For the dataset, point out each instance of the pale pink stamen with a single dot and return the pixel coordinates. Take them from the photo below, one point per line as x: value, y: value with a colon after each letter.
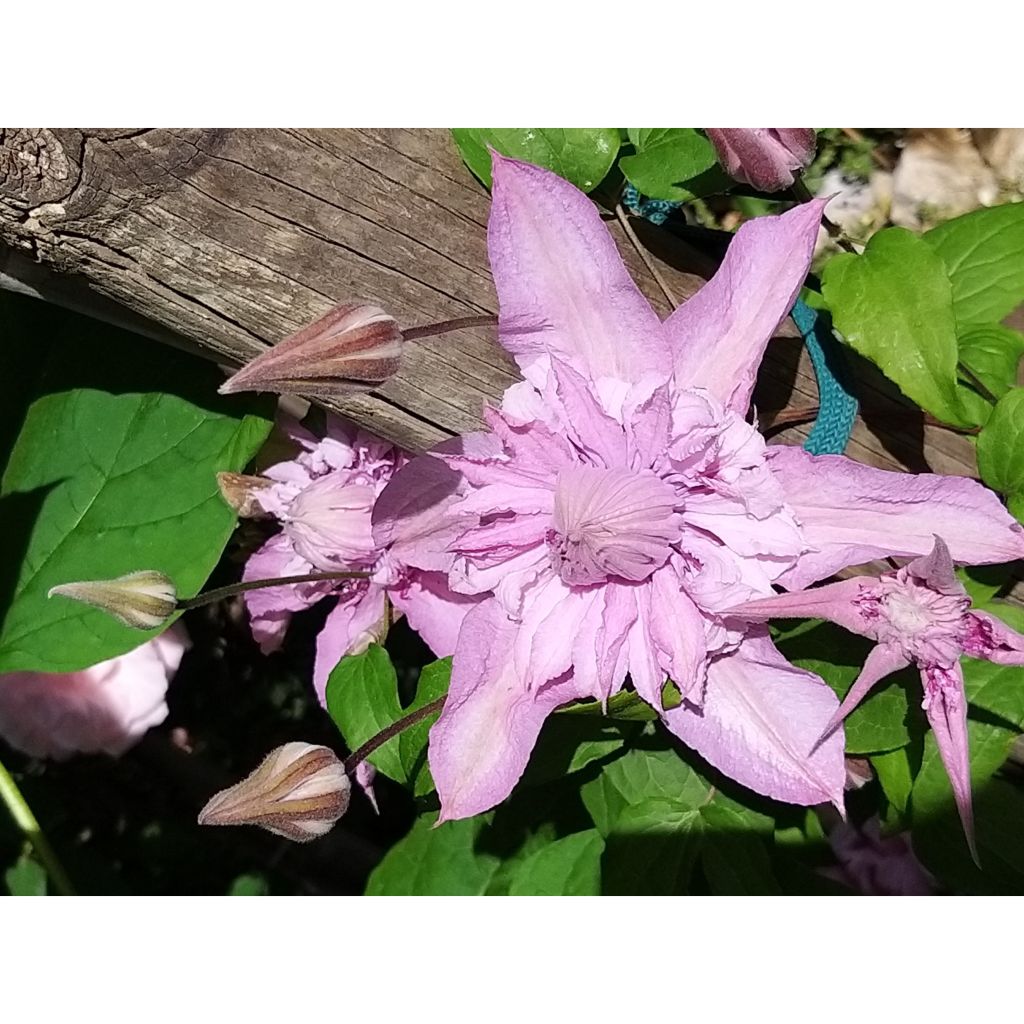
x: 611, y: 522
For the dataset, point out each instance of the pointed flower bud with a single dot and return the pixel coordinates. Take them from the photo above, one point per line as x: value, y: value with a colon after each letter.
x: 352, y: 348
x: 299, y: 792
x: 241, y: 492
x: 142, y: 600
x: 763, y: 157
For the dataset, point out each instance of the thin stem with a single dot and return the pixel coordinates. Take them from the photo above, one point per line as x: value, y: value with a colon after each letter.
x: 978, y: 384
x: 240, y: 588
x: 362, y: 753
x: 620, y: 214
x: 26, y: 821
x: 835, y: 232
x: 446, y: 326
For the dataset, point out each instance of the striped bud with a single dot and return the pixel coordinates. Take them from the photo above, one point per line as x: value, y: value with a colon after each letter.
x: 354, y: 347
x: 241, y: 493
x: 142, y: 600
x: 299, y: 792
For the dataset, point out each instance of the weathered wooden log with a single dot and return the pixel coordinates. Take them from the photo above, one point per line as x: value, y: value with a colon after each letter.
x: 228, y: 240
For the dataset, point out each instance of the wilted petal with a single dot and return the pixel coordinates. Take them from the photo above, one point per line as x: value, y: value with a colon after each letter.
x: 241, y: 492
x: 357, y: 621
x: 989, y: 637
x: 366, y: 774
x: 760, y: 719
x: 719, y: 336
x: 882, y: 660
x: 352, y: 348
x: 851, y: 513
x: 562, y: 287
x: 837, y: 602
x: 945, y: 704
x: 480, y: 745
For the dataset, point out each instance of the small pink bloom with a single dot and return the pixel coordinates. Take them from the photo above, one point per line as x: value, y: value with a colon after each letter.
x: 619, y: 502
x: 763, y: 157
x: 106, y: 708
x: 920, y: 615
x: 323, y: 499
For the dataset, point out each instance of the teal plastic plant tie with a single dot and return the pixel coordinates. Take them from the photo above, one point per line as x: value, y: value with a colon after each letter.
x: 837, y: 406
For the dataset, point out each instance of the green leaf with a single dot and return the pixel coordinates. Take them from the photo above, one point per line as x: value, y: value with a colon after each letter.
x: 880, y: 721
x: 569, y: 743
x: 412, y: 743
x: 249, y: 885
x: 580, y: 155
x: 678, y: 164
x: 113, y: 470
x: 440, y: 861
x: 1001, y: 445
x: 997, y: 689
x: 983, y: 582
x: 894, y: 305
x: 992, y: 353
x: 895, y: 776
x: 983, y: 253
x: 567, y: 867
x: 734, y: 856
x: 362, y: 699
x: 25, y: 878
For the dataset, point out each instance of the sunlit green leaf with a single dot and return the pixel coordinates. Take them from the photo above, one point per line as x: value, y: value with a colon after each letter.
x: 677, y: 164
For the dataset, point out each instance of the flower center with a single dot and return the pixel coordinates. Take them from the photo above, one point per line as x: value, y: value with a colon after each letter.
x: 329, y: 523
x: 611, y: 522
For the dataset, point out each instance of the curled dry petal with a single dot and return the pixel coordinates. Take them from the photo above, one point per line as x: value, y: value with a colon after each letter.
x: 299, y: 791
x: 354, y: 347
x: 142, y: 600
x: 240, y: 491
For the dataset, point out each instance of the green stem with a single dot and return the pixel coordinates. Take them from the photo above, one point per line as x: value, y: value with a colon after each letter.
x: 26, y: 821
x: 240, y: 588
x: 978, y: 384
x: 803, y: 194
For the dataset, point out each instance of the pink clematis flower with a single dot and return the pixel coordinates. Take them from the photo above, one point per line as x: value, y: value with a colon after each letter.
x: 767, y: 158
x: 619, y: 502
x: 323, y: 499
x: 920, y: 615
x: 105, y: 708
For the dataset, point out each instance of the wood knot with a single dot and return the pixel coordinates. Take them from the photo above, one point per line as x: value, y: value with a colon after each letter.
x: 33, y: 161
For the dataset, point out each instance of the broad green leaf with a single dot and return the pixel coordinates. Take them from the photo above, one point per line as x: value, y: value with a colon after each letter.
x: 652, y: 850
x: 362, y: 698
x: 567, y: 867
x: 983, y: 253
x: 894, y: 305
x: 880, y: 721
x: 895, y: 776
x: 569, y: 743
x: 992, y: 353
x: 999, y: 825
x: 1001, y: 445
x: 734, y: 855
x: 580, y: 155
x: 412, y: 743
x: 627, y: 705
x: 997, y: 689
x: 441, y: 861
x: 25, y: 878
x: 113, y: 470
x: 678, y: 164
x: 249, y: 885
x: 983, y: 582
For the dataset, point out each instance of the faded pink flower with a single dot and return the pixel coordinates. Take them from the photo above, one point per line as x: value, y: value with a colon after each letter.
x: 619, y: 502
x: 767, y: 158
x: 877, y: 865
x: 920, y: 614
x: 323, y: 499
x: 106, y: 708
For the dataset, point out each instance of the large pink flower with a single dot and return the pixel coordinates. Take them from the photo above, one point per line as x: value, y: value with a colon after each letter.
x: 106, y: 708
x: 620, y: 501
x: 323, y: 499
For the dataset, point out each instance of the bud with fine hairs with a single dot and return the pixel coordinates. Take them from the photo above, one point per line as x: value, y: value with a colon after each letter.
x: 299, y: 791
x: 354, y: 347
x: 767, y: 158
x: 142, y: 600
x: 241, y: 492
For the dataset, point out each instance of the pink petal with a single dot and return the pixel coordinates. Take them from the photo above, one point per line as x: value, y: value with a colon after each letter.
x: 836, y: 602
x: 480, y: 745
x: 990, y: 638
x: 881, y: 661
x: 945, y: 704
x: 562, y: 286
x: 719, y: 335
x: 852, y: 514
x: 936, y: 570
x: 433, y: 609
x: 593, y: 432
x: 599, y: 648
x: 677, y: 630
x: 759, y: 722
x: 356, y: 622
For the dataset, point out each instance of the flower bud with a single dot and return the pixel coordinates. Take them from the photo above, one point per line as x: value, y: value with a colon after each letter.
x: 299, y: 791
x: 142, y: 600
x: 763, y: 157
x: 352, y: 348
x: 241, y: 492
